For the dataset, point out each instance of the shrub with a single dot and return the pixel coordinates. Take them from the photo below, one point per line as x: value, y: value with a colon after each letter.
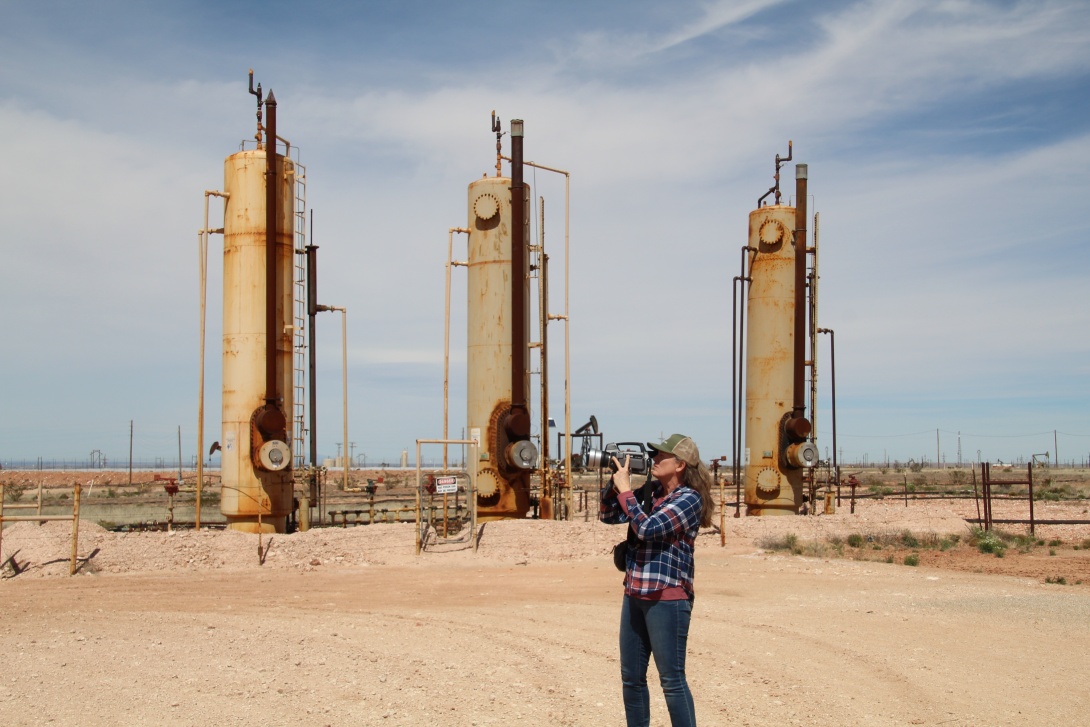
x: 988, y: 541
x: 1055, y: 542
x: 913, y: 559
x: 789, y: 542
x: 1058, y: 580
x: 13, y: 492
x: 909, y: 540
x: 855, y: 540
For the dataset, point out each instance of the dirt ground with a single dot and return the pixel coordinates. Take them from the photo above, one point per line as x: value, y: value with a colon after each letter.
x: 350, y: 627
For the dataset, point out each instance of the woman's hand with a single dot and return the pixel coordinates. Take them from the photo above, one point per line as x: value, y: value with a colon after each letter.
x: 621, y: 478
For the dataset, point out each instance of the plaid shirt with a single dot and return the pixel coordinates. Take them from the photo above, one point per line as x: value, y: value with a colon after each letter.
x: 664, y: 555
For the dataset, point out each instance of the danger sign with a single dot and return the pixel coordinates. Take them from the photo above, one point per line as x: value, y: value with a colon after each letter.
x: 446, y: 485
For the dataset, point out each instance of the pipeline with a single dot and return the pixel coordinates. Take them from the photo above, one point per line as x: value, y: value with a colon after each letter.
x: 738, y: 324
x: 272, y: 395
x: 518, y: 272
x: 799, y: 404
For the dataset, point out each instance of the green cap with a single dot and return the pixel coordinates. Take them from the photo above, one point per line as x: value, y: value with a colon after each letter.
x: 682, y: 447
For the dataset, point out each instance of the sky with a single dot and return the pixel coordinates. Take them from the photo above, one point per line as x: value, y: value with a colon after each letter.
x: 948, y: 143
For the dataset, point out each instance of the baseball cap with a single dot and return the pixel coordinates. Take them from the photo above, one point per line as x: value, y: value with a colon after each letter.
x: 682, y: 447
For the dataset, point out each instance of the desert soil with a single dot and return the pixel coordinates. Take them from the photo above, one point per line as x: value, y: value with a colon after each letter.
x: 350, y: 627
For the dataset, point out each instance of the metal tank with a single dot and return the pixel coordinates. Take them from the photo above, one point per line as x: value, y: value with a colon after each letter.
x: 777, y: 450
x: 256, y: 460
x: 497, y: 339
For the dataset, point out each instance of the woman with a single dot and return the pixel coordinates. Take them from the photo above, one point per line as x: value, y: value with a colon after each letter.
x: 658, y: 583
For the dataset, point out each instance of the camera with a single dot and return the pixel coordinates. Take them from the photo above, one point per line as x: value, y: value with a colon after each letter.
x: 639, y: 462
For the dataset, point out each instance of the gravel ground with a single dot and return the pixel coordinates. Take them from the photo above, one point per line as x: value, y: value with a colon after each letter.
x: 350, y: 627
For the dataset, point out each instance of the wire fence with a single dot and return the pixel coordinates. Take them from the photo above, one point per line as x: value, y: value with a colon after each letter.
x: 100, y: 463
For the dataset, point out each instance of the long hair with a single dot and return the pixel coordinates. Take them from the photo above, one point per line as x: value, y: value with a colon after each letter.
x: 700, y: 479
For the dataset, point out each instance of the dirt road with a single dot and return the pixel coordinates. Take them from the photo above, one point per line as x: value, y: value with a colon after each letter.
x: 349, y: 627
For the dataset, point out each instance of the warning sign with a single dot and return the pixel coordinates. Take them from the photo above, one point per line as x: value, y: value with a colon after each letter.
x: 446, y: 485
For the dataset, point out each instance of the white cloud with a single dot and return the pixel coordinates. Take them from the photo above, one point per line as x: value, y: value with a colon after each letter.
x: 929, y: 264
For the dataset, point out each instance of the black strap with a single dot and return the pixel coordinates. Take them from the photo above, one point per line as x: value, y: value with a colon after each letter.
x: 647, y: 504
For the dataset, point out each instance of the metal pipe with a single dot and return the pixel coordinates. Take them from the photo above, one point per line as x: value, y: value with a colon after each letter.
x: 344, y: 382
x: 811, y: 333
x: 1029, y: 480
x: 446, y: 336
x: 832, y: 380
x: 272, y: 395
x: 566, y: 317
x: 543, y: 325
x: 518, y: 271
x: 203, y: 263
x: 315, y: 492
x: 75, y: 528
x: 738, y: 381
x: 567, y: 341
x: 799, y: 403
x: 202, y: 253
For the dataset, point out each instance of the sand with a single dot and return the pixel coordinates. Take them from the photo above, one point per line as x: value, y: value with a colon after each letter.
x: 349, y: 626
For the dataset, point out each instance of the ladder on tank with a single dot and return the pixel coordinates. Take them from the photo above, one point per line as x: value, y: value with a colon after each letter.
x: 299, y: 324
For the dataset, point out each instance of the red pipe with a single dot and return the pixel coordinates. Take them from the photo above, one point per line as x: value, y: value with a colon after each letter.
x: 799, y: 405
x: 272, y: 396
x: 519, y: 339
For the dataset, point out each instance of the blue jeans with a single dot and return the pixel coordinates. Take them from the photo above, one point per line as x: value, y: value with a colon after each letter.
x: 660, y: 628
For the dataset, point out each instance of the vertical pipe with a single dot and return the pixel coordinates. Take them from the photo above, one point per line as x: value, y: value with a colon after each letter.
x: 832, y: 380
x: 312, y: 314
x: 271, y: 177
x: 567, y: 339
x: 812, y: 335
x: 976, y: 495
x: 1029, y: 480
x: 419, y: 538
x: 75, y: 528
x: 518, y: 270
x: 543, y: 318
x: 446, y: 348
x: 986, y: 488
x: 799, y: 405
x: 130, y: 454
x: 202, y: 252
x: 739, y: 373
x: 344, y: 386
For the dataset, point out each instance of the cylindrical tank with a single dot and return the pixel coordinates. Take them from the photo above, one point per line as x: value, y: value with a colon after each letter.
x: 503, y: 491
x: 252, y: 495
x: 772, y: 487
